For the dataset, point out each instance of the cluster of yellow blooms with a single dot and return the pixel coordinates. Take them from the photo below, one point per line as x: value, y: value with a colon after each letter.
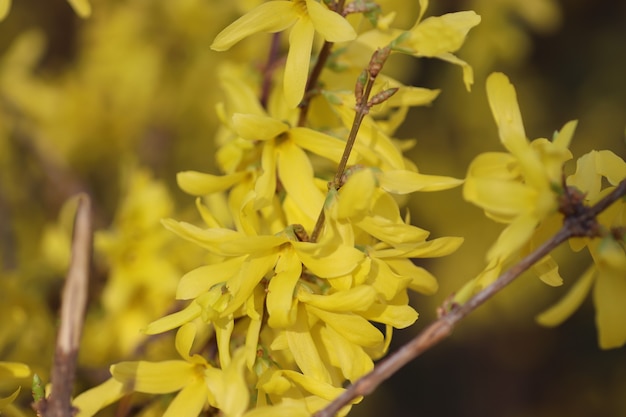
x: 305, y: 279
x: 292, y: 317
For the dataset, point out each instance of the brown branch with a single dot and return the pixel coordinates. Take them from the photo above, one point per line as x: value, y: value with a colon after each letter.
x: 268, y: 69
x: 363, y: 89
x: 583, y: 223
x: 73, y: 305
x: 311, y: 83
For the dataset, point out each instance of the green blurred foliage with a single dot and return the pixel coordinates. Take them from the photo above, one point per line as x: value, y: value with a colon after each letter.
x: 127, y: 98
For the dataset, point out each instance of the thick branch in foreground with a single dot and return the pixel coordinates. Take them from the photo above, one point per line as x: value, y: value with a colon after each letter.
x: 582, y: 224
x: 73, y: 304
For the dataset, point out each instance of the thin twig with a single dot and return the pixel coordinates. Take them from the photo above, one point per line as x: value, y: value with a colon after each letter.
x: 363, y: 106
x: 268, y: 70
x: 73, y: 306
x: 582, y: 224
x: 311, y: 83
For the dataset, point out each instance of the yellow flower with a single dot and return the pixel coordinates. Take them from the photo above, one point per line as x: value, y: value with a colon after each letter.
x: 434, y: 37
x: 198, y: 383
x: 516, y: 187
x: 133, y: 251
x: 519, y: 188
x: 305, y: 17
x: 10, y: 371
x: 607, y: 275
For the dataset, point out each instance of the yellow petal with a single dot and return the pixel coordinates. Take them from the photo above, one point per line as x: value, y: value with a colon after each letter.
x: 154, y: 377
x: 296, y: 175
x: 223, y: 242
x: 234, y: 396
x: 172, y: 321
x: 431, y: 249
x: 328, y: 262
x: 387, y: 282
x: 5, y: 6
x: 190, y: 401
x: 442, y: 34
x: 184, y: 339
x: 280, y: 297
x: 265, y: 186
x: 224, y: 327
x: 611, y: 166
x: 240, y: 96
x: 564, y: 137
x: 288, y: 407
x: 4, y: 401
x: 201, y: 279
x: 565, y: 307
x: 609, y: 293
x: 353, y: 327
x: 303, y: 349
x: 355, y: 196
x: 250, y: 274
x: 392, y: 233
x: 355, y: 299
x: 412, y: 96
x: 93, y: 400
x: 252, y: 341
x: 423, y: 6
x: 513, y: 237
x: 468, y: 72
x: 505, y: 110
x: 318, y: 143
x: 548, y: 271
x: 404, y: 182
x: 422, y: 281
x: 14, y: 370
x: 500, y: 198
x: 350, y: 358
x: 398, y: 316
x: 272, y: 16
x: 199, y: 183
x: 332, y: 26
x: 81, y: 7
x: 314, y: 386
x: 256, y: 127
x: 298, y: 58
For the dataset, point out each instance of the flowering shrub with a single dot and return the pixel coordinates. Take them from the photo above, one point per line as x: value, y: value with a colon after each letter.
x: 302, y: 264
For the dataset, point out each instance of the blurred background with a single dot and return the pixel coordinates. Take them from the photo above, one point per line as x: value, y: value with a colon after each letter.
x: 116, y: 104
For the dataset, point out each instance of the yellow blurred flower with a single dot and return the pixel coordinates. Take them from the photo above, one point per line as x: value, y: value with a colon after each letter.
x: 519, y: 187
x: 434, y: 37
x: 81, y: 7
x: 12, y: 371
x: 141, y: 280
x: 198, y: 383
x: 305, y: 17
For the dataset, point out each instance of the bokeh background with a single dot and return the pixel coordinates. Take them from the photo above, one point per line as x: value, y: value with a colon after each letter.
x: 118, y: 103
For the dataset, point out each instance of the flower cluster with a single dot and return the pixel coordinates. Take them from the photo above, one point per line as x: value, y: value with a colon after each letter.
x: 518, y: 187
x: 306, y: 279
x: 525, y: 188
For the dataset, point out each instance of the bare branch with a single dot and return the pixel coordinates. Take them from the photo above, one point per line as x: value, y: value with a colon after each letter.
x: 73, y: 305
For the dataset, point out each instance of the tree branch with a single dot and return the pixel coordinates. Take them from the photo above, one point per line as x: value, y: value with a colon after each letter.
x: 73, y: 305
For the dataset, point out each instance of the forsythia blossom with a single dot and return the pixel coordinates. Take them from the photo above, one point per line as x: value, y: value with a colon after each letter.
x: 293, y: 307
x: 305, y: 17
x: 519, y: 187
